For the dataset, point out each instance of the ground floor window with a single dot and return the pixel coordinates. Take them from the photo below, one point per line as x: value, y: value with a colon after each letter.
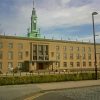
x: 90, y: 64
x: 10, y: 66
x: 78, y: 64
x: 65, y: 64
x: 0, y: 65
x: 71, y: 64
x: 84, y: 64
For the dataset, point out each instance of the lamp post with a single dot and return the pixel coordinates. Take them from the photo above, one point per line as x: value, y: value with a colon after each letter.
x: 95, y: 62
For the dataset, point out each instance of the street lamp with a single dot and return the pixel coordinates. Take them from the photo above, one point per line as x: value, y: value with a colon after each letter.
x: 95, y: 62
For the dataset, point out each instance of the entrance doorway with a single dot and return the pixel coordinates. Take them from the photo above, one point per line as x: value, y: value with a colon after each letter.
x: 40, y: 66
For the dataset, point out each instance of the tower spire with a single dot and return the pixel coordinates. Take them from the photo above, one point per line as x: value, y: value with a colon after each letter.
x: 33, y: 3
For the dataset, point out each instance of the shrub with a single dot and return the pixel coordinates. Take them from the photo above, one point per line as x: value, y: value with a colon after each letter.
x: 45, y: 78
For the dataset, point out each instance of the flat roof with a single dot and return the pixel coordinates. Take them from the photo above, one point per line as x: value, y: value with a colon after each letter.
x: 43, y: 39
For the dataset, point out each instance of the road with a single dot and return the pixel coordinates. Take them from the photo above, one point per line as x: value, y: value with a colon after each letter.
x: 86, y: 93
x: 21, y: 92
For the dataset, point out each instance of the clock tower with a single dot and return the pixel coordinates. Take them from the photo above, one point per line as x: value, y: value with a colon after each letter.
x: 34, y: 32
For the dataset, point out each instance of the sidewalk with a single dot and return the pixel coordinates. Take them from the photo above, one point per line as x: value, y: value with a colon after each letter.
x: 19, y: 92
x: 70, y: 84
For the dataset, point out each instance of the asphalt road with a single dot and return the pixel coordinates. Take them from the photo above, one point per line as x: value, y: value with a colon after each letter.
x: 17, y: 92
x: 86, y: 93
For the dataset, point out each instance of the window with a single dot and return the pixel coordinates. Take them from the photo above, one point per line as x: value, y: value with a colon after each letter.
x: 90, y: 64
x: 34, y: 47
x: 83, y: 49
x: 52, y: 54
x: 26, y: 53
x: 65, y: 64
x: 45, y: 49
x: 71, y: 64
x: 77, y: 56
x: 1, y: 45
x: 99, y: 56
x: 65, y: 56
x: 20, y: 46
x: 84, y: 64
x: 71, y: 48
x: 10, y: 45
x: 20, y: 55
x: 89, y: 56
x: 65, y: 48
x: 78, y: 64
x: 78, y: 48
x: 71, y: 56
x: 1, y: 54
x: 20, y: 64
x: 10, y: 55
x: 40, y: 48
x: 57, y: 48
x: 0, y: 65
x: 83, y: 56
x: 10, y: 66
x: 58, y: 56
x: 89, y: 49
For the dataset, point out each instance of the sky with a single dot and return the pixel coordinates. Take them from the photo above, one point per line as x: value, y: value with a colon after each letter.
x: 57, y: 19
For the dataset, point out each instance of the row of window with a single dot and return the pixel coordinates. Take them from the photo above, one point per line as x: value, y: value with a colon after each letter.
x: 11, y: 54
x: 78, y: 64
x: 71, y: 56
x: 10, y: 45
x: 10, y: 65
x: 71, y: 48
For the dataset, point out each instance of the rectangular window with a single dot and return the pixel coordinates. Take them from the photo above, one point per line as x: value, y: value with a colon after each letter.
x: 20, y: 46
x: 57, y: 48
x: 10, y: 55
x: 65, y: 48
x: 77, y: 56
x: 78, y: 48
x: 20, y: 64
x: 40, y: 50
x: 65, y: 64
x: 0, y: 65
x: 10, y: 66
x: 34, y: 47
x: 26, y: 53
x: 58, y: 56
x: 71, y: 48
x: 71, y: 64
x: 90, y: 64
x: 10, y: 45
x: 65, y: 56
x: 1, y: 45
x: 89, y: 56
x: 99, y: 56
x: 1, y: 54
x: 78, y: 64
x: 71, y: 56
x: 83, y: 49
x: 20, y: 55
x: 84, y: 64
x: 52, y: 54
x: 89, y: 49
x: 83, y: 56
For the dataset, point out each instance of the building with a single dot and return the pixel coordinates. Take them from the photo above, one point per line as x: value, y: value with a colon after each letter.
x: 33, y: 53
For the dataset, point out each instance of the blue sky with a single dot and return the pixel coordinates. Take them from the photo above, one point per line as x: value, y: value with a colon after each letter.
x: 66, y: 19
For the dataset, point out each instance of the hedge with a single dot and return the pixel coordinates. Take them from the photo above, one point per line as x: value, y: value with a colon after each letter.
x: 13, y: 80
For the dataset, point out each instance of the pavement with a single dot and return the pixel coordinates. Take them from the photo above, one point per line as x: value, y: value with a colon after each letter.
x: 27, y: 92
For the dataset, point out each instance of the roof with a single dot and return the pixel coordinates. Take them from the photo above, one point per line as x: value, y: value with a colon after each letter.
x: 47, y: 40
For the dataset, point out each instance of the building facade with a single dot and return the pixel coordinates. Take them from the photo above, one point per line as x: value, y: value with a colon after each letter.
x: 33, y: 53
x: 44, y: 54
